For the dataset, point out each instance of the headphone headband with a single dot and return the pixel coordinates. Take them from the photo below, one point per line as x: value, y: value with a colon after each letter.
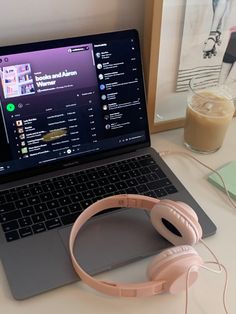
x: 129, y: 290
x: 122, y: 200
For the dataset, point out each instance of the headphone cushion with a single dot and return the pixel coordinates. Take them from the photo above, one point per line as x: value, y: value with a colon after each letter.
x: 189, y: 214
x: 176, y: 222
x: 187, y: 210
x: 172, y: 266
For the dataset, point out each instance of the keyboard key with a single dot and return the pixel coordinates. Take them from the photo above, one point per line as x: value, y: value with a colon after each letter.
x: 144, y: 179
x: 114, y: 170
x: 93, y: 175
x: 132, y: 182
x: 40, y: 208
x: 46, y: 197
x: 69, y: 190
x: 38, y: 218
x: 80, y: 187
x: 134, y: 165
x: 75, y: 208
x: 28, y: 211
x: 11, y: 236
x: 114, y: 178
x: 152, y: 177
x: 146, y: 170
x: 150, y: 193
x: 69, y: 219
x: 2, y: 200
x: 131, y: 190
x: 50, y: 214
x: 24, y: 194
x: 142, y: 188
x: 38, y: 228
x: 59, y: 185
x: 36, y: 190
x: 103, y: 173
x: 25, y: 232
x: 24, y: 222
x: 21, y: 204
x: 48, y: 187
x: 124, y: 176
x: 124, y: 167
x: 53, y: 223
x: 81, y: 177
x: 135, y: 173
x: 160, y: 192
x: 108, y: 194
x: 158, y: 171
x: 171, y: 189
x: 86, y: 203
x: 34, y: 200
x: 57, y: 194
x: 121, y: 185
x: 53, y: 204
x: 7, y: 207
x: 146, y: 161
x: 99, y: 191
x: 70, y: 181
x: 88, y: 194
x: 110, y: 188
x: 76, y: 198
x: 9, y: 226
x: 103, y: 181
x: 92, y: 185
x: 57, y: 179
x: 11, y: 197
x: 64, y: 201
x: 63, y: 211
x: 158, y: 184
x: 13, y: 215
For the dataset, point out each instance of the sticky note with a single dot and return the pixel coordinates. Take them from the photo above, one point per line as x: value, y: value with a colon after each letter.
x: 228, y: 173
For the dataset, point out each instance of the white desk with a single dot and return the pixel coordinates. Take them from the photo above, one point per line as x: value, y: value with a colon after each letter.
x: 205, y: 295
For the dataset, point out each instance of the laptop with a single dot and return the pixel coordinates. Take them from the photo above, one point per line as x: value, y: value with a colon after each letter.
x: 74, y: 129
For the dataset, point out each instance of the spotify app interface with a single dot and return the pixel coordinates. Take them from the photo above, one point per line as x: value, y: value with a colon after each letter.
x: 63, y: 102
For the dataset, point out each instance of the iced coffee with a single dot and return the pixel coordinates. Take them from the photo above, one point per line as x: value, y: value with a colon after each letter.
x: 208, y: 116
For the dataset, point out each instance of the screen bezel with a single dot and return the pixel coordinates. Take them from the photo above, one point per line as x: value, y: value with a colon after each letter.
x: 68, y: 162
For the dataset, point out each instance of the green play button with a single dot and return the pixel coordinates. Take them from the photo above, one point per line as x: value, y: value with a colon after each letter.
x: 11, y: 107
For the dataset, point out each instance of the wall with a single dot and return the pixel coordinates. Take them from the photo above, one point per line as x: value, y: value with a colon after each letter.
x: 29, y: 20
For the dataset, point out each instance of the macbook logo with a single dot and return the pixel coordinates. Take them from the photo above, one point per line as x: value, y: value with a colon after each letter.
x: 70, y: 164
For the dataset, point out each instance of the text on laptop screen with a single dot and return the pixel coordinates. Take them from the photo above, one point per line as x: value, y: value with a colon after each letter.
x: 62, y: 100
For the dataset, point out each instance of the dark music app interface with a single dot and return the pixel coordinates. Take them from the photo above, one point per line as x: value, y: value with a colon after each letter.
x: 70, y: 101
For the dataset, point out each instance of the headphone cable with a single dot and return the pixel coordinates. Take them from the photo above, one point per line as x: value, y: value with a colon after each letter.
x: 222, y: 267
x: 216, y: 262
x: 164, y: 153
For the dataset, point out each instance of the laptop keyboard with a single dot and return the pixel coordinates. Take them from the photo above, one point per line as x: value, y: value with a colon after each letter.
x: 49, y: 204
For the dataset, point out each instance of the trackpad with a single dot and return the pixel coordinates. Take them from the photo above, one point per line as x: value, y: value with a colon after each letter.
x: 112, y: 240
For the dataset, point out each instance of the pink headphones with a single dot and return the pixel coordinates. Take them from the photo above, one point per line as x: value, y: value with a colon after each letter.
x: 168, y: 270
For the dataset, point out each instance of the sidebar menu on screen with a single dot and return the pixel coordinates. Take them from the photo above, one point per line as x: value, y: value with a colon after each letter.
x: 118, y: 72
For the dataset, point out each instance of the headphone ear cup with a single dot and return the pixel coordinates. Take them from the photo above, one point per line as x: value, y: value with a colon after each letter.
x: 172, y: 266
x: 176, y: 222
x: 187, y: 210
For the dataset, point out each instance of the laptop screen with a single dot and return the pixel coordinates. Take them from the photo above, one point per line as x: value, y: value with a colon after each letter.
x: 65, y: 99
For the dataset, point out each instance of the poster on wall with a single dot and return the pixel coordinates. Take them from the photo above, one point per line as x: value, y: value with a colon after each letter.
x: 197, y: 38
x: 208, y: 48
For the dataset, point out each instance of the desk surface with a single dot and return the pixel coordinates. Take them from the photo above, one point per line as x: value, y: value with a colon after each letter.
x: 205, y: 295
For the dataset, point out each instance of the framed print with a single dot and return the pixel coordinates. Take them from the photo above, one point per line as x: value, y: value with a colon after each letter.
x: 184, y: 39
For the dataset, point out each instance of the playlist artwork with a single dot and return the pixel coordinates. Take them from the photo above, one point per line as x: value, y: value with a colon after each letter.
x: 17, y: 80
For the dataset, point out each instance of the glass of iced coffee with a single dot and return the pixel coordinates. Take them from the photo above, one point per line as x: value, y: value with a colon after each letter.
x: 208, y: 115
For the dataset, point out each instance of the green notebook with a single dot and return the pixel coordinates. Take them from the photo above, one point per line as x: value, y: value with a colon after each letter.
x: 228, y: 172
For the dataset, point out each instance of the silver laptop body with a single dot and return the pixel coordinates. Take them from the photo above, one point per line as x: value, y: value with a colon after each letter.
x: 74, y: 129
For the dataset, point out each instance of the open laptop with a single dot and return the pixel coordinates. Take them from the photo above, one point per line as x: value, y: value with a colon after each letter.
x: 74, y: 129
